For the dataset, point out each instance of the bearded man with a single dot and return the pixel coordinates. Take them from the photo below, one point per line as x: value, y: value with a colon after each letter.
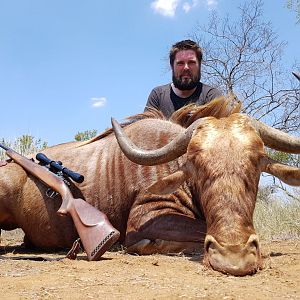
x: 185, y: 61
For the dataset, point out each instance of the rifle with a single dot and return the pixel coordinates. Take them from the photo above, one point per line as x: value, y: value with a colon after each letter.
x: 94, y: 229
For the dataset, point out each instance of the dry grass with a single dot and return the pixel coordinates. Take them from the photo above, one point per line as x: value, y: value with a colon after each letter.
x: 12, y: 237
x: 277, y: 219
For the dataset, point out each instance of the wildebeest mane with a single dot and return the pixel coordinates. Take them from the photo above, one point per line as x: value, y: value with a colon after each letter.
x: 219, y: 108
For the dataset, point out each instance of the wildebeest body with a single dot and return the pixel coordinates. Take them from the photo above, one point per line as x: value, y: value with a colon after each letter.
x: 112, y: 184
x: 207, y: 194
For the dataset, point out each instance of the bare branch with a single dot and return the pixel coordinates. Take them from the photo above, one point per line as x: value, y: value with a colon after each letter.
x: 244, y: 56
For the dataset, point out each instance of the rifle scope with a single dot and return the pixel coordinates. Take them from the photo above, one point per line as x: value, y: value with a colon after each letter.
x: 59, y: 167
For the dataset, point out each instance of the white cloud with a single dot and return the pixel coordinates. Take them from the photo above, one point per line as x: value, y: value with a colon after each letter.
x: 165, y: 7
x: 168, y: 8
x: 211, y: 4
x: 98, y: 102
x: 186, y: 7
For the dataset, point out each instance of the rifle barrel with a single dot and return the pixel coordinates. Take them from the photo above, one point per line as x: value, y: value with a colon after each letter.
x: 4, y: 147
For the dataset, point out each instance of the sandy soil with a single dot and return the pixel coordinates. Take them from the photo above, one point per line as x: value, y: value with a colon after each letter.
x: 25, y: 275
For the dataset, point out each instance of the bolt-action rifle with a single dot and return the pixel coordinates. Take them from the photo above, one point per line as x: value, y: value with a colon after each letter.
x: 94, y: 229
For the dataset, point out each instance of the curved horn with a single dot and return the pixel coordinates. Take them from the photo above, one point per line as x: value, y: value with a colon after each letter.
x: 173, y: 150
x: 276, y: 139
x: 296, y: 75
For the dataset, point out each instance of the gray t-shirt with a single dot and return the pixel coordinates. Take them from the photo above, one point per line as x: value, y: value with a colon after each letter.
x: 164, y: 99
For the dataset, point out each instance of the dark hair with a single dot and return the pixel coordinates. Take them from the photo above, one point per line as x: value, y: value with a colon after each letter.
x: 185, y: 45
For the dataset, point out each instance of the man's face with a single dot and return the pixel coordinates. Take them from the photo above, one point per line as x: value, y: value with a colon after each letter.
x: 186, y: 70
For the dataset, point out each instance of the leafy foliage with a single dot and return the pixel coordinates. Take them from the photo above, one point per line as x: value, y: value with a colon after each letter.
x: 24, y: 145
x: 285, y: 158
x: 85, y: 135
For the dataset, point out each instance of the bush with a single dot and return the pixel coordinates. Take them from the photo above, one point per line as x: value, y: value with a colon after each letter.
x: 24, y: 145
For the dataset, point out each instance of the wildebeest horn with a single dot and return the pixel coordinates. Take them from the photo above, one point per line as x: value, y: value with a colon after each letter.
x: 276, y: 139
x: 173, y: 150
x: 296, y: 75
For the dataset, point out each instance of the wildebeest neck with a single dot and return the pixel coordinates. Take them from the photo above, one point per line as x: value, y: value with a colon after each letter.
x: 234, y: 199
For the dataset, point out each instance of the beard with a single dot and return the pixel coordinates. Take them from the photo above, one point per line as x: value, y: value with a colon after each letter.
x: 185, y: 85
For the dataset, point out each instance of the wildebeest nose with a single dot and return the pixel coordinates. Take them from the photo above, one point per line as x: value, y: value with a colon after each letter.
x: 237, y: 259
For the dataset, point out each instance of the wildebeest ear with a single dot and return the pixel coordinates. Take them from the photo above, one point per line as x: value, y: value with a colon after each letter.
x: 287, y: 174
x: 169, y: 184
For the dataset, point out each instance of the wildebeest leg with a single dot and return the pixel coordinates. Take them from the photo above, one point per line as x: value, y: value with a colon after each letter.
x: 27, y: 243
x: 165, y: 233
x: 147, y: 247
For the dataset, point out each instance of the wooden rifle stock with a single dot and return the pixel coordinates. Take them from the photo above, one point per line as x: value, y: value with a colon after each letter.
x: 94, y: 229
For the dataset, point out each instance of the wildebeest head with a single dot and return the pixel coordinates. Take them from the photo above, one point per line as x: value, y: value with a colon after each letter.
x: 223, y: 159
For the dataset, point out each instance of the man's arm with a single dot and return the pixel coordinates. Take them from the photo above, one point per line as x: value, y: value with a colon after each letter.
x: 153, y: 101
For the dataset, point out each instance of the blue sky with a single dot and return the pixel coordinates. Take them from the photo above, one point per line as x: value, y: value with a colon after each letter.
x: 69, y: 65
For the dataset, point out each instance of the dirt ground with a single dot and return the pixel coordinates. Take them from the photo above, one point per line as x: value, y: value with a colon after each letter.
x: 25, y: 275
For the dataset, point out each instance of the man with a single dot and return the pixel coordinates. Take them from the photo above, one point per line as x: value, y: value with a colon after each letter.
x: 185, y: 61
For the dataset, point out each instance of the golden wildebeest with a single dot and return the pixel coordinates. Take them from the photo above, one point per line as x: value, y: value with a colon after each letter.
x: 221, y: 160
x: 209, y: 190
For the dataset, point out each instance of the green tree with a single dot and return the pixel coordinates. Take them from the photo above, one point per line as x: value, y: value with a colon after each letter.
x: 85, y: 135
x: 285, y: 158
x: 27, y: 144
x: 24, y: 145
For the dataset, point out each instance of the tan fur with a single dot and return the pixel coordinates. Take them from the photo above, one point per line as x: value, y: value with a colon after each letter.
x: 222, y: 164
x: 219, y: 108
x: 109, y: 179
x: 224, y: 160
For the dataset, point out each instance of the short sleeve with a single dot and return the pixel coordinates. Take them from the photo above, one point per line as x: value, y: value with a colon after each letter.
x: 153, y: 100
